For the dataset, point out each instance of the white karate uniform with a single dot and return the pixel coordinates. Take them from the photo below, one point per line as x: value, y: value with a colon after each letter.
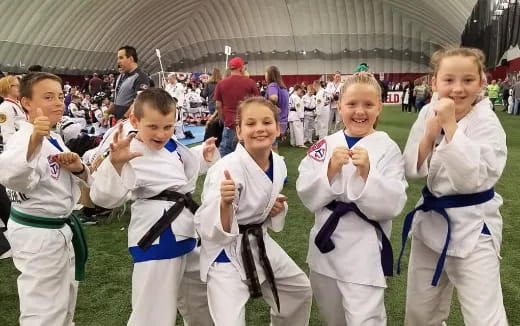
x: 322, y: 113
x: 193, y: 103
x: 227, y: 290
x: 11, y: 115
x: 348, y: 282
x: 75, y: 111
x: 70, y: 128
x: 472, y: 162
x: 309, y: 102
x: 45, y: 257
x: 334, y: 89
x: 142, y: 178
x: 295, y: 120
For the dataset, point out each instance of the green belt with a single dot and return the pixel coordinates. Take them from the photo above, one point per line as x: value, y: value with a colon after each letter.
x: 78, y: 236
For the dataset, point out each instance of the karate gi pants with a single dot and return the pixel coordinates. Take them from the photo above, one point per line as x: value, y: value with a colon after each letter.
x: 46, y: 286
x: 159, y: 286
x: 308, y: 127
x: 348, y: 304
x: 476, y: 278
x: 296, y: 130
x: 228, y: 295
x: 322, y: 124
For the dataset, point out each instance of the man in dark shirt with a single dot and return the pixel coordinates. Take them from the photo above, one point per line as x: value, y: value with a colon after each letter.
x: 94, y: 85
x: 132, y: 80
x: 228, y: 94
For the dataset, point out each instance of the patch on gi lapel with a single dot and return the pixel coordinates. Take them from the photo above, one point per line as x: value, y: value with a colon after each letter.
x: 54, y: 166
x: 318, y: 151
x: 3, y: 117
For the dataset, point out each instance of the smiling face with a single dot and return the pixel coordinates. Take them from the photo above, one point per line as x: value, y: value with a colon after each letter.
x: 48, y: 96
x: 154, y: 128
x: 359, y: 107
x: 258, y: 127
x: 459, y: 79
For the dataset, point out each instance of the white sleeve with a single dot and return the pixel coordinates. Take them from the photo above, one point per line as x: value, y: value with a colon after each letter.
x: 199, y: 153
x: 475, y: 161
x: 109, y: 189
x: 411, y: 150
x: 8, y: 127
x: 207, y: 217
x: 386, y: 185
x: 17, y: 173
x: 313, y: 185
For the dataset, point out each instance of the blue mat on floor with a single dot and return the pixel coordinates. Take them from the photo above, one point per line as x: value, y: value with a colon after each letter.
x: 197, y: 131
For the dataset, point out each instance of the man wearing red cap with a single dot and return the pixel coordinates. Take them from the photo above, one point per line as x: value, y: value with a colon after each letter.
x: 228, y: 94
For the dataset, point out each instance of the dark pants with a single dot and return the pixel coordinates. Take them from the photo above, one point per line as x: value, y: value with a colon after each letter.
x: 5, y: 205
x: 419, y: 103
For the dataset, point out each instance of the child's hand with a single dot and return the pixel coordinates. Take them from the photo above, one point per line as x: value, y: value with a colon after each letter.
x: 278, y: 206
x: 41, y: 127
x: 340, y: 157
x: 120, y: 149
x: 433, y: 128
x: 70, y: 161
x: 227, y: 190
x: 445, y: 111
x: 209, y: 148
x: 361, y: 161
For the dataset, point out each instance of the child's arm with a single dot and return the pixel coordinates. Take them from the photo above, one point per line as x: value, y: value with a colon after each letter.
x: 115, y: 177
x: 215, y: 219
x: 207, y: 154
x: 313, y: 185
x: 418, y: 149
x: 19, y: 173
x: 474, y: 160
x: 382, y: 194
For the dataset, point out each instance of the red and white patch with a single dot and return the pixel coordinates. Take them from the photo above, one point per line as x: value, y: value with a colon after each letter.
x: 143, y: 86
x: 318, y: 151
x: 54, y: 166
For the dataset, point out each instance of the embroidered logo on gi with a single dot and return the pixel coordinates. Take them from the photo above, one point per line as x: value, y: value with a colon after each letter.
x: 298, y: 105
x: 318, y: 151
x: 54, y: 166
x: 318, y: 101
x: 3, y: 117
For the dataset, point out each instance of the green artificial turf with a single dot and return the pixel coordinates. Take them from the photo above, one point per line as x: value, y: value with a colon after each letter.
x: 104, y: 297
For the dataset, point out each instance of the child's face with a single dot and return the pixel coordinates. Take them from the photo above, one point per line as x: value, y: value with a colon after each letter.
x: 48, y: 96
x: 154, y: 128
x: 359, y: 108
x: 458, y: 78
x: 258, y: 128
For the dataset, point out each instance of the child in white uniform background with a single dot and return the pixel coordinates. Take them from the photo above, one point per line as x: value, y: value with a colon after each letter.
x: 353, y: 180
x: 42, y: 179
x: 159, y: 174
x: 240, y: 200
x: 459, y: 145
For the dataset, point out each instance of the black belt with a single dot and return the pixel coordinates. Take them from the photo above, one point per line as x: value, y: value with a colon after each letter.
x: 249, y: 262
x: 293, y: 110
x: 309, y: 109
x: 181, y: 201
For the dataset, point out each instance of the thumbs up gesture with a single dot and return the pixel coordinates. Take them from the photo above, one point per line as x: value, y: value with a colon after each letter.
x: 278, y: 206
x: 41, y: 127
x: 227, y: 190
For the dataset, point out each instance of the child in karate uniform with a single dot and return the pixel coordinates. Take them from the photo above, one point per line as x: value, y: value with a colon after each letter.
x: 241, y: 199
x: 353, y: 180
x: 42, y: 179
x: 156, y: 171
x: 459, y: 145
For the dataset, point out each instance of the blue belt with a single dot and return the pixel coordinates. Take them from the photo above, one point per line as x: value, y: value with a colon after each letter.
x: 167, y: 248
x: 439, y: 205
x: 324, y: 242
